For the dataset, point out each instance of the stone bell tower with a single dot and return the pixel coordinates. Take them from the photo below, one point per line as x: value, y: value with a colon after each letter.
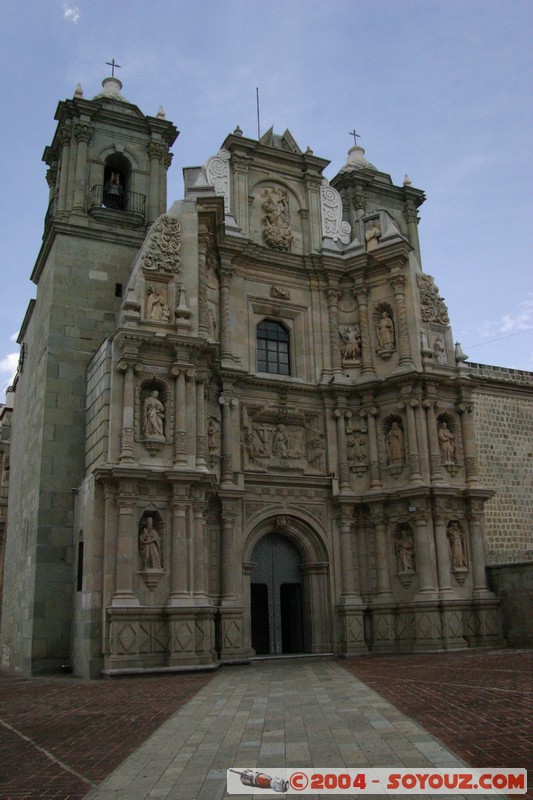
x: 107, y: 168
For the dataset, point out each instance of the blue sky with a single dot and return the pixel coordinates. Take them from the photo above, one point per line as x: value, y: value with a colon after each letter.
x: 438, y: 89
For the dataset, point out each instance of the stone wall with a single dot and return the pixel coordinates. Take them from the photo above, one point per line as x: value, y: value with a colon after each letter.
x: 513, y: 583
x: 98, y: 405
x: 504, y: 431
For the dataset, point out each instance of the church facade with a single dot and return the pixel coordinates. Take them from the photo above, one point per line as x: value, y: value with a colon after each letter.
x: 241, y: 425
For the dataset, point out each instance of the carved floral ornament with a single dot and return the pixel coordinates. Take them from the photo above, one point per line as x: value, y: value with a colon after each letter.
x: 433, y: 307
x: 333, y: 226
x: 217, y: 172
x: 164, y: 246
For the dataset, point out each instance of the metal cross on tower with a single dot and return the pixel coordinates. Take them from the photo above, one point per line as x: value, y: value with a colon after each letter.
x: 113, y: 66
x: 355, y: 135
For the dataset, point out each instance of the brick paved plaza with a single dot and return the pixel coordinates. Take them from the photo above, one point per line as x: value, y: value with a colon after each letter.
x: 60, y: 737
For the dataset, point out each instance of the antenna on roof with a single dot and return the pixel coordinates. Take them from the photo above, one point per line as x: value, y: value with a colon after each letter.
x: 257, y: 103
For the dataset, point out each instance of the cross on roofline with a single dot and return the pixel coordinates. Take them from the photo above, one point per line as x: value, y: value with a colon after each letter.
x: 355, y: 135
x: 113, y: 64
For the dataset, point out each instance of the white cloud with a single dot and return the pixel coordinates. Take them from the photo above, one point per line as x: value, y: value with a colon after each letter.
x: 71, y: 13
x: 521, y: 321
x: 8, y: 364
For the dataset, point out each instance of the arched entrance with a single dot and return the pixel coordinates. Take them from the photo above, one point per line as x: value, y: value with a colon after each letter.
x: 276, y: 596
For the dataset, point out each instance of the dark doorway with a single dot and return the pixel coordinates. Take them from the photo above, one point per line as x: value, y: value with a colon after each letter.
x: 276, y: 597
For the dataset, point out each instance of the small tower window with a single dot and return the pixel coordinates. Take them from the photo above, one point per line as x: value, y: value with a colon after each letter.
x: 273, y: 341
x: 116, y: 177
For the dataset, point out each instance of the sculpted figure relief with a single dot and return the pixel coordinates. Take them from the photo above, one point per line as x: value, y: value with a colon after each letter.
x: 356, y: 450
x: 276, y: 222
x: 156, y: 308
x: 280, y: 442
x: 446, y: 444
x: 153, y: 415
x: 351, y: 342
x: 372, y: 235
x: 150, y: 545
x: 440, y: 351
x: 457, y: 546
x: 385, y: 332
x: 395, y: 445
x: 405, y: 552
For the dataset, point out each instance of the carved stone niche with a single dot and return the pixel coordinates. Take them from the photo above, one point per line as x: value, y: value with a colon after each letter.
x: 357, y: 447
x: 275, y: 220
x: 394, y: 438
x: 448, y: 443
x: 153, y: 414
x: 458, y: 556
x: 150, y: 543
x: 157, y: 303
x: 213, y: 441
x: 404, y: 551
x: 385, y: 330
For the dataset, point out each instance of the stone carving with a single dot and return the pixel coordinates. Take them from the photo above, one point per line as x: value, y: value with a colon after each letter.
x: 213, y: 436
x: 446, y: 444
x: 276, y: 222
x: 440, y: 351
x: 164, y: 245
x: 385, y: 333
x: 149, y: 545
x: 456, y: 541
x: 333, y: 226
x: 404, y: 547
x: 350, y: 343
x: 156, y: 308
x: 280, y: 442
x: 315, y: 449
x: 356, y: 449
x: 433, y: 308
x: 372, y: 234
x: 280, y: 291
x: 395, y: 445
x: 282, y: 523
x: 153, y: 416
x: 217, y: 172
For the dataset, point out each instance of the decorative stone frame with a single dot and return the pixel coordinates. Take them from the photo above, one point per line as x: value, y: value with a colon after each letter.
x: 293, y: 319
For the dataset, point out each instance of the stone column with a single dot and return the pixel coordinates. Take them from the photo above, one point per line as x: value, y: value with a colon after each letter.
x: 349, y: 571
x: 227, y: 565
x: 191, y: 416
x: 443, y: 553
x: 367, y: 363
x: 199, y: 549
x: 128, y: 431
x: 125, y: 553
x: 375, y: 477
x: 201, y: 441
x: 469, y: 442
x: 434, y: 449
x: 156, y: 151
x: 65, y: 138
x: 475, y: 521
x: 333, y: 295
x: 167, y: 161
x: 180, y: 435
x: 227, y: 439
x: 422, y: 436
x: 423, y: 554
x: 382, y: 554
x: 240, y: 192
x: 179, y: 586
x: 51, y: 180
x: 83, y: 133
x: 397, y: 281
x: 411, y: 217
x: 344, y: 473
x: 414, y: 460
x: 225, y: 313
x: 204, y: 243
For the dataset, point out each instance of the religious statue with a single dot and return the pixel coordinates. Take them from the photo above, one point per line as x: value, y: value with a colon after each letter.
x: 405, y: 551
x: 356, y: 449
x: 150, y: 545
x: 156, y: 308
x: 351, y: 342
x: 457, y: 545
x: 276, y: 222
x: 153, y: 415
x: 385, y: 332
x: 446, y: 444
x: 395, y: 447
x: 372, y: 235
x: 280, y: 442
x: 212, y: 436
x: 440, y: 351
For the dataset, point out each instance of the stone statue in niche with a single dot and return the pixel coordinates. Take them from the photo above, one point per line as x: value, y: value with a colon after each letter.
x: 395, y: 445
x: 456, y: 540
x: 156, y: 308
x: 280, y: 442
x: 372, y: 235
x: 153, y: 416
x: 276, y: 222
x: 440, y: 351
x: 351, y: 342
x: 405, y: 551
x: 213, y: 436
x: 385, y: 332
x: 149, y: 545
x: 446, y: 444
